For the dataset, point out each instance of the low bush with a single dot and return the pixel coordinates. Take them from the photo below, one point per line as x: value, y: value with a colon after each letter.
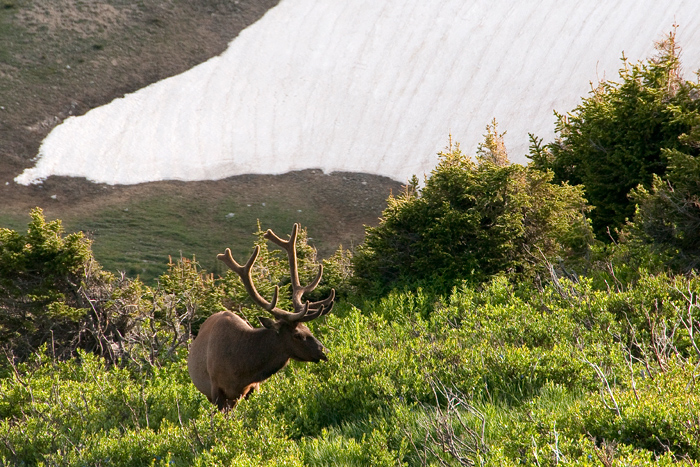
x: 566, y: 374
x: 472, y: 221
x: 40, y: 276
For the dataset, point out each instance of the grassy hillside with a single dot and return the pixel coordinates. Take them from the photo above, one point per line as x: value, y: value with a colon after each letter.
x: 503, y: 376
x: 135, y: 229
x: 591, y: 370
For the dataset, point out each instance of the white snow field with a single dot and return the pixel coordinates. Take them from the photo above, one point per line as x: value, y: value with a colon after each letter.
x: 366, y: 86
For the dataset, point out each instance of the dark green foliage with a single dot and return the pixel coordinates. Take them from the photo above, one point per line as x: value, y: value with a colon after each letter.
x: 613, y: 141
x: 40, y: 277
x: 668, y: 215
x: 472, y: 221
x: 185, y: 291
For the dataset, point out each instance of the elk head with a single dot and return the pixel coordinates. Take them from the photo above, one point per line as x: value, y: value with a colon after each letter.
x: 302, y: 344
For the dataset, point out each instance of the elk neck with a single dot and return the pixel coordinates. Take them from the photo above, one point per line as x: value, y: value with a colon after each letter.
x: 270, y: 354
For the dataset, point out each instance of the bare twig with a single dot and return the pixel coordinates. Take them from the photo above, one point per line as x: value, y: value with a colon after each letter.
x: 448, y: 431
x: 606, y: 385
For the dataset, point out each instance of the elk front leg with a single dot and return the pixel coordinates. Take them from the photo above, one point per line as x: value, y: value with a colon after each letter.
x: 250, y: 390
x: 222, y: 400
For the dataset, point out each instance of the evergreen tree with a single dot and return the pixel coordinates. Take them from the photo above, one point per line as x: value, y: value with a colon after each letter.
x: 40, y: 277
x: 614, y: 140
x: 668, y: 215
x: 472, y: 220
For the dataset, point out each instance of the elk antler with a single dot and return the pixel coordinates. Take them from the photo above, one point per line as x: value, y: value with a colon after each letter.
x: 303, y: 312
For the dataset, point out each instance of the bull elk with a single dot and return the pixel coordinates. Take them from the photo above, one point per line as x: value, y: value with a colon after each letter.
x: 229, y: 358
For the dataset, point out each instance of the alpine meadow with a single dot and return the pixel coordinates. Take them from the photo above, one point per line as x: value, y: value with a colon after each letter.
x: 496, y: 315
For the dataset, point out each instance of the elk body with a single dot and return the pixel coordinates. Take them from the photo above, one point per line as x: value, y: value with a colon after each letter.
x: 229, y: 358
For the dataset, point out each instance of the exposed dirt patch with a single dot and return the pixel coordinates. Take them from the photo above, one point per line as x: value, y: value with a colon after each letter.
x: 86, y: 19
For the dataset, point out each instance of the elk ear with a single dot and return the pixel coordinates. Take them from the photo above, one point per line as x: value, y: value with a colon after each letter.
x: 269, y: 323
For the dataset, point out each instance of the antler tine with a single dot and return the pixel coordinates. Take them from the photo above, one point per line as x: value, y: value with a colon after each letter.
x: 297, y: 290
x: 244, y: 273
x: 326, y: 303
x: 227, y: 258
x: 270, y: 235
x: 309, y: 316
x: 320, y: 308
x: 290, y: 246
x: 303, y: 312
x: 314, y: 283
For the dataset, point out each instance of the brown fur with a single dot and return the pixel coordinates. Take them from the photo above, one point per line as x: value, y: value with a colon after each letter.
x: 230, y: 358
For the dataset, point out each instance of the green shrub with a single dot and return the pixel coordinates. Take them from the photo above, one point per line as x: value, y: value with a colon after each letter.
x: 659, y: 413
x: 40, y: 277
x: 336, y: 448
x: 614, y: 140
x: 84, y: 412
x: 548, y: 376
x: 470, y: 222
x: 668, y: 214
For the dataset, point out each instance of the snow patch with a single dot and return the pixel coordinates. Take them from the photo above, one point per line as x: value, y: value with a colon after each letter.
x: 365, y: 86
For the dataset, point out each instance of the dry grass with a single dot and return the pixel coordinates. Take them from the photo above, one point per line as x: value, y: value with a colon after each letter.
x: 85, y: 19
